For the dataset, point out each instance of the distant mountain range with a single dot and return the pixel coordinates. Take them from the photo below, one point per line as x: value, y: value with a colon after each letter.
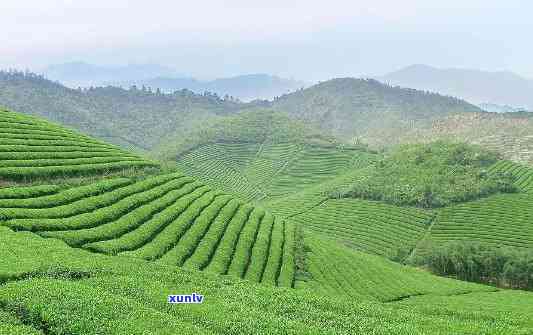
x: 80, y: 74
x: 495, y: 108
x: 244, y: 87
x: 478, y: 87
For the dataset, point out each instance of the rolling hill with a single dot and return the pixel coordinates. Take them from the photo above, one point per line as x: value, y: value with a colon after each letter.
x: 134, y: 119
x: 367, y: 109
x: 297, y: 177
x: 103, y: 256
x: 34, y: 148
x: 260, y: 154
x: 352, y: 110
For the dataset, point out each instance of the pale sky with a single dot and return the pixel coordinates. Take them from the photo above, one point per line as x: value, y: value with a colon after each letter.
x: 308, y: 40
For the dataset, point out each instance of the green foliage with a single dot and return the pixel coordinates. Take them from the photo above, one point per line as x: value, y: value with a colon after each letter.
x: 32, y: 148
x: 503, y: 219
x: 288, y: 265
x: 210, y: 241
x: 366, y: 109
x: 148, y: 230
x: 522, y: 174
x: 254, y: 126
x: 113, y: 114
x: 39, y: 197
x: 87, y: 214
x: 368, y: 226
x: 126, y: 295
x: 169, y: 218
x: 473, y: 261
x: 247, y: 237
x: 190, y: 240
x: 260, y: 250
x: 431, y: 175
x: 275, y: 254
x: 14, y: 195
x: 223, y: 255
x: 336, y: 269
x: 126, y: 223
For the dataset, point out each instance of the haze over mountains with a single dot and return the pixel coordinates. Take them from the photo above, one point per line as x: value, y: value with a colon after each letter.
x: 80, y: 74
x: 347, y: 108
x: 244, y: 87
x: 475, y: 86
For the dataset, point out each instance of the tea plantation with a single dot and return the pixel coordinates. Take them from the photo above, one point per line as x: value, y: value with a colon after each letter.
x: 33, y: 148
x: 258, y: 228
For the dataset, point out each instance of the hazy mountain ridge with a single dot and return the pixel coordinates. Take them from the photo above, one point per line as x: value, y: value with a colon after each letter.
x: 352, y: 110
x: 502, y: 88
x: 367, y: 109
x: 80, y: 74
x: 495, y: 108
x: 126, y: 117
x: 245, y: 87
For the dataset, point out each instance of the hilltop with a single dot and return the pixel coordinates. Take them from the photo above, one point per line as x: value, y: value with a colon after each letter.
x: 259, y: 154
x: 367, y: 109
x: 254, y: 126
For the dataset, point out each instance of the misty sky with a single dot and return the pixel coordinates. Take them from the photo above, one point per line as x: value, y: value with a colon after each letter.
x: 309, y: 40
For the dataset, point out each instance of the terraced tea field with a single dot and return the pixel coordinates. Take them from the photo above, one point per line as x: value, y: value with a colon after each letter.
x: 368, y: 226
x: 47, y: 287
x: 101, y: 256
x: 338, y: 270
x: 263, y: 172
x: 168, y: 218
x: 522, y: 173
x: 34, y: 148
x: 505, y: 219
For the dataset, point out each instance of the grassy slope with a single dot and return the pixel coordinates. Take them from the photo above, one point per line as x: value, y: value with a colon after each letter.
x: 54, y: 289
x: 189, y: 239
x: 336, y: 269
x: 299, y: 192
x: 168, y: 218
x: 33, y: 148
